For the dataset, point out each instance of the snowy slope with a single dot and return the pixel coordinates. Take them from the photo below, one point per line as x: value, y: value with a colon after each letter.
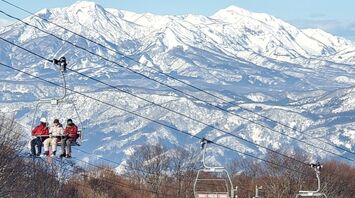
x: 302, y: 78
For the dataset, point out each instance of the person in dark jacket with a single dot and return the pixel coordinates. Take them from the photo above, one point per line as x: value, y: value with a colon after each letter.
x: 40, y: 133
x: 71, y: 134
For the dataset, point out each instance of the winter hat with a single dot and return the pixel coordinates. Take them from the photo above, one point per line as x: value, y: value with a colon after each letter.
x: 69, y: 121
x: 43, y: 120
x: 56, y: 121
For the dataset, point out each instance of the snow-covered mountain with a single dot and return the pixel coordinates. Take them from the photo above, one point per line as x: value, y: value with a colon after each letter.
x: 301, y: 78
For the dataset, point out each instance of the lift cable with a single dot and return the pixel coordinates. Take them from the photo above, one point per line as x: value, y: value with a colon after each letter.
x: 176, y: 112
x: 155, y: 121
x: 181, y: 81
x: 107, y: 181
x: 86, y: 152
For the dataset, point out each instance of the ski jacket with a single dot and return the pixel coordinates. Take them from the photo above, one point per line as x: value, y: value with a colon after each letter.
x: 71, y: 131
x: 56, y: 131
x: 40, y: 130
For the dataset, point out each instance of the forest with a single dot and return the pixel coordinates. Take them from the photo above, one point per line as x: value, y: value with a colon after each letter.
x: 150, y: 173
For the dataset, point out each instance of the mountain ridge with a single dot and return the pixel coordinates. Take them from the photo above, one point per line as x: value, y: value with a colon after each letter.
x: 272, y: 70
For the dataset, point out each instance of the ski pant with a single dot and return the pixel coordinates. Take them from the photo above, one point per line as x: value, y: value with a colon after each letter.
x: 36, y: 142
x: 66, y: 147
x: 50, y: 142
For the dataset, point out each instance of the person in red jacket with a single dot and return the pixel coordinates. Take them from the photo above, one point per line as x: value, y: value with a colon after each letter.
x: 40, y: 133
x: 71, y: 134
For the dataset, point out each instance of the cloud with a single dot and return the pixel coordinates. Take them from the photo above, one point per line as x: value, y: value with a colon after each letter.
x: 344, y: 29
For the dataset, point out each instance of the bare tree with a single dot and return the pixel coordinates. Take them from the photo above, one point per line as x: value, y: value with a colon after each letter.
x: 246, y: 174
x: 183, y: 167
x: 286, y: 181
x: 21, y: 176
x: 154, y: 171
x: 338, y: 180
x: 11, y: 169
x: 102, y: 181
x: 148, y: 166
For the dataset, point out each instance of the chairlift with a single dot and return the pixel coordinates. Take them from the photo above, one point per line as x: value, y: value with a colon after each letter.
x: 56, y: 102
x: 218, y: 179
x: 315, y: 193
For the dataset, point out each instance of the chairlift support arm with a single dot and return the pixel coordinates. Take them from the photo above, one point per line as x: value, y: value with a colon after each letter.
x: 63, y: 64
x: 213, y: 169
x: 317, y: 168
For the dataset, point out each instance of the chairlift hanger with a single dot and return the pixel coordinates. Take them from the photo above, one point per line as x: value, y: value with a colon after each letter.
x: 313, y: 193
x: 62, y: 63
x: 229, y: 192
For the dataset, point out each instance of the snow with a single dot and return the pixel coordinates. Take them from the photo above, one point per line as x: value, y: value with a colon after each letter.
x: 170, y: 39
x: 259, y: 97
x: 252, y: 59
x: 345, y: 79
x: 326, y: 38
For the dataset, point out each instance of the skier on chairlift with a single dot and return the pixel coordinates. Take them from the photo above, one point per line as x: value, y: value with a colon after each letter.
x: 56, y: 131
x: 40, y: 133
x: 70, y: 136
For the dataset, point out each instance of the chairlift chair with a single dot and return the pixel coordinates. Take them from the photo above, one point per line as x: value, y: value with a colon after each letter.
x: 315, y: 193
x: 218, y: 172
x: 60, y: 100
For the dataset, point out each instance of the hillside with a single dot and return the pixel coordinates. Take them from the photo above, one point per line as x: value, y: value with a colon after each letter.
x: 300, y: 78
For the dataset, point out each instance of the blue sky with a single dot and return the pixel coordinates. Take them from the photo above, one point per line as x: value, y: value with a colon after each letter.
x: 337, y: 17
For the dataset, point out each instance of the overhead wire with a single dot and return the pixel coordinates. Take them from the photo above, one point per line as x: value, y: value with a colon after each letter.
x: 48, y: 59
x: 101, y: 158
x: 75, y: 148
x: 116, y: 163
x: 81, y: 161
x: 103, y: 168
x: 105, y: 159
x: 113, y: 162
x: 176, y: 112
x: 152, y: 120
x: 107, y: 181
x: 192, y: 86
x: 87, y: 76
x: 249, y: 120
x: 190, y: 134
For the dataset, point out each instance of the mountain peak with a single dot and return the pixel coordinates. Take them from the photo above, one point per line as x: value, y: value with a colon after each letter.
x: 232, y: 14
x: 263, y: 63
x: 232, y: 11
x: 86, y: 12
x: 235, y: 9
x: 85, y: 5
